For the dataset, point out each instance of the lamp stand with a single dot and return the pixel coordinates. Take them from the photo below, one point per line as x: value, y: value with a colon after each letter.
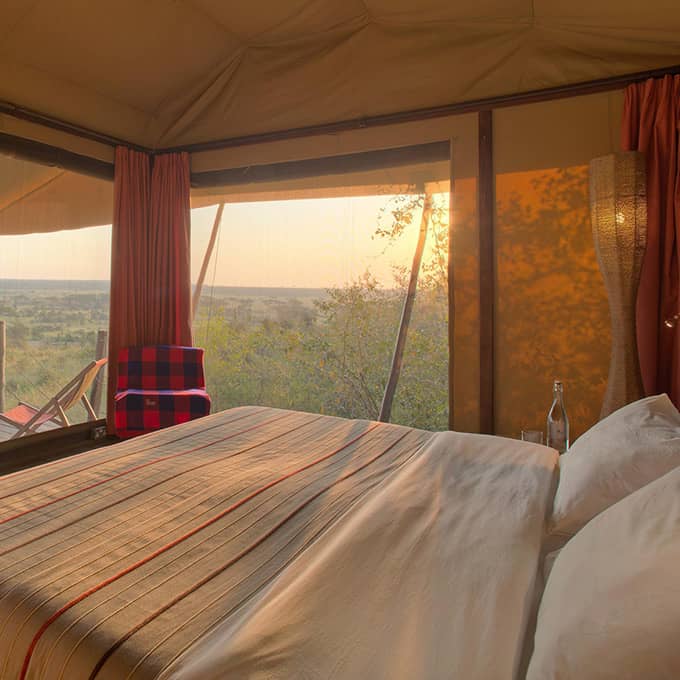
x: 619, y: 219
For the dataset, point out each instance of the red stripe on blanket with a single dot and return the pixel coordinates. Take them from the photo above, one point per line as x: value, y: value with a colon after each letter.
x: 135, y: 469
x: 177, y: 541
x: 232, y: 561
x: 114, y: 460
x: 162, y: 481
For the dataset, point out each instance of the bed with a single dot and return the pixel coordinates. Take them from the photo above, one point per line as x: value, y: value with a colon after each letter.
x: 262, y: 543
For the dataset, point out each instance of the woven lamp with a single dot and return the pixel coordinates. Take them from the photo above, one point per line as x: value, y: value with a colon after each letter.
x: 618, y: 209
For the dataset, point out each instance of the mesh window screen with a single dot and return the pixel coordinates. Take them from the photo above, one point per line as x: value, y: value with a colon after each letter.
x: 55, y: 241
x: 303, y: 294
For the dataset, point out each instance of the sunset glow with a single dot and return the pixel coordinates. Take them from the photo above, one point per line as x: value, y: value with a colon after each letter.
x: 314, y: 243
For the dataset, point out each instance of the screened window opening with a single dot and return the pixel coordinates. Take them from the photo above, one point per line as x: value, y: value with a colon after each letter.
x: 301, y: 301
x: 54, y: 297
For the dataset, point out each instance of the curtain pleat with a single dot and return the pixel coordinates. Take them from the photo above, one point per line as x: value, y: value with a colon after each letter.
x: 169, y: 301
x: 150, y: 256
x: 651, y: 122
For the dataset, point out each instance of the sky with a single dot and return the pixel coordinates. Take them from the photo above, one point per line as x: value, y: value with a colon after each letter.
x: 310, y: 243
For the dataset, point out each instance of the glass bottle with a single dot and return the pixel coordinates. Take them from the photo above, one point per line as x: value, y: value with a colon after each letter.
x: 558, y: 422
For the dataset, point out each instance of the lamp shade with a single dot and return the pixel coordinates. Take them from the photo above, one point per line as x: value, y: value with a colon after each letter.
x: 618, y: 209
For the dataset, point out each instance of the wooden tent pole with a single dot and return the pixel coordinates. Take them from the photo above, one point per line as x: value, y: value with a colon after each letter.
x: 2, y: 366
x: 486, y: 208
x: 206, y: 260
x: 391, y: 387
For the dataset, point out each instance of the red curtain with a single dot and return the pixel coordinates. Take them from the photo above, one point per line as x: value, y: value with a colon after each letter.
x: 651, y: 121
x: 150, y: 257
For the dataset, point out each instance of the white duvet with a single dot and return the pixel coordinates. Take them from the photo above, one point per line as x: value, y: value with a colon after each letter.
x: 429, y: 576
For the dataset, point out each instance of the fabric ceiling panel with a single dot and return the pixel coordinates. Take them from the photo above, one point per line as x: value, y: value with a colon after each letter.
x: 35, y: 199
x: 296, y: 85
x: 323, y: 82
x: 425, y: 11
x: 163, y: 74
x: 264, y: 20
x: 13, y: 11
x: 42, y: 90
x: 660, y: 16
x: 121, y: 48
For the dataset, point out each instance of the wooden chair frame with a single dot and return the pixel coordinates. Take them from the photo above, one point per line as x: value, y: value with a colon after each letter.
x: 55, y: 408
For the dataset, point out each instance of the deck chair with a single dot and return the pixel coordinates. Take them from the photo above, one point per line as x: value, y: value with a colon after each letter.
x: 28, y: 418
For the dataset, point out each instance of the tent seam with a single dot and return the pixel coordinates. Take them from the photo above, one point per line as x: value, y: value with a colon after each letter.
x: 32, y: 191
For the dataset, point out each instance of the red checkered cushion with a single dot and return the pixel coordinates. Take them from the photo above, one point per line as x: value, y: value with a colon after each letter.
x: 159, y: 386
x: 141, y: 411
x: 160, y: 367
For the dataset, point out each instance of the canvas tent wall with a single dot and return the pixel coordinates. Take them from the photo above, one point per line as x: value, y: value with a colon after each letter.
x: 535, y: 141
x: 548, y: 136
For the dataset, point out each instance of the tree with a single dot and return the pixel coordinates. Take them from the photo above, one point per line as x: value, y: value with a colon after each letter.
x: 359, y: 325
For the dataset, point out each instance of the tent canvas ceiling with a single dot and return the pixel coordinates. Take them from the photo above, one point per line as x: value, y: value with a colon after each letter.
x: 163, y: 73
x: 36, y: 198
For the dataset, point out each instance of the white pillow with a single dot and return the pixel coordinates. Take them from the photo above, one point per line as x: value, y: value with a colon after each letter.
x: 611, y: 607
x: 630, y: 448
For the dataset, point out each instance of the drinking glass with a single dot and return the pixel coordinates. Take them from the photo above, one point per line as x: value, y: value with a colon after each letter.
x: 535, y: 436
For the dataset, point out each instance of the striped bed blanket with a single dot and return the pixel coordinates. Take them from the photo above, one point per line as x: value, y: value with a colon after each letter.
x: 262, y: 543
